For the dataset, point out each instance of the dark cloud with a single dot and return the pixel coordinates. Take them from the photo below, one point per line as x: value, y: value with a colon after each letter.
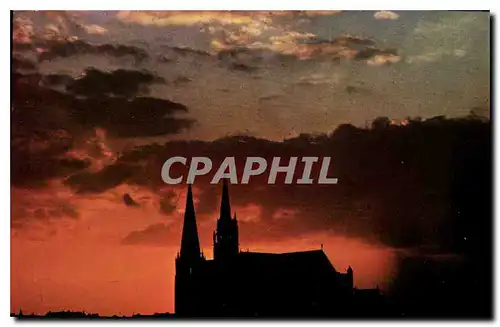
x: 241, y: 53
x: 173, y: 55
x: 250, y: 60
x: 30, y: 98
x: 396, y: 183
x: 120, y: 116
x: 344, y: 41
x: 134, y: 116
x: 108, y: 177
x: 129, y: 201
x: 121, y: 82
x: 368, y: 53
x: 41, y: 143
x: 56, y: 80
x: 140, y: 116
x: 40, y: 156
x: 61, y: 49
x: 21, y: 63
x: 242, y: 67
x: 185, y: 51
x: 22, y: 47
x: 156, y: 234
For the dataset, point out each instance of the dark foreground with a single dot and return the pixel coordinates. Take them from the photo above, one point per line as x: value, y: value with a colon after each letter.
x: 71, y: 315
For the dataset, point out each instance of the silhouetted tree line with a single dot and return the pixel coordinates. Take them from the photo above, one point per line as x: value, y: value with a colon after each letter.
x: 76, y: 315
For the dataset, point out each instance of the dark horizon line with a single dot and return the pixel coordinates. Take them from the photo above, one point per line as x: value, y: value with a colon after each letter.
x: 169, y: 316
x: 84, y: 315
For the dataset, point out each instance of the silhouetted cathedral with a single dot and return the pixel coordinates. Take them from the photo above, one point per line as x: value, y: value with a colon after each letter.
x: 243, y: 284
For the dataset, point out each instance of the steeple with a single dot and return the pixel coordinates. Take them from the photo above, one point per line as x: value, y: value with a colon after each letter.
x: 226, y: 243
x: 190, y: 243
x: 225, y: 206
x: 188, y: 263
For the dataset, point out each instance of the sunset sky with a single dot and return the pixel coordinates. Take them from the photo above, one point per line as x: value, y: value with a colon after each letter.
x: 97, y: 94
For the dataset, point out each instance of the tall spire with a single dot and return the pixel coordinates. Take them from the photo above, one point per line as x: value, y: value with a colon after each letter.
x: 190, y: 243
x: 226, y: 243
x: 225, y: 206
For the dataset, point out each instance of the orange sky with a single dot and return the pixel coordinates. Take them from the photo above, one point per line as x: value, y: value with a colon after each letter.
x: 83, y: 265
x: 94, y: 228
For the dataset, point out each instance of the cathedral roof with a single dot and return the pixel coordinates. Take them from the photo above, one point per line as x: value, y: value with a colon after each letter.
x: 302, y: 260
x: 303, y: 263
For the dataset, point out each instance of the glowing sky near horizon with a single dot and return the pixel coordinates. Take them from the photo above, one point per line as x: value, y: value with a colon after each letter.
x: 272, y: 75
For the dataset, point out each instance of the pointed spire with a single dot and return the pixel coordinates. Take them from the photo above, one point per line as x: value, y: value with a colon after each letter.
x: 190, y: 243
x: 225, y: 206
x: 189, y: 201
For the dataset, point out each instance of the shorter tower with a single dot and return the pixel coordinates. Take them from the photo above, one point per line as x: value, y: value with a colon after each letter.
x: 226, y: 243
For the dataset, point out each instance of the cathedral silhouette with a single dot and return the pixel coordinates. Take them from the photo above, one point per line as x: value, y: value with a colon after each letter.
x: 251, y: 284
